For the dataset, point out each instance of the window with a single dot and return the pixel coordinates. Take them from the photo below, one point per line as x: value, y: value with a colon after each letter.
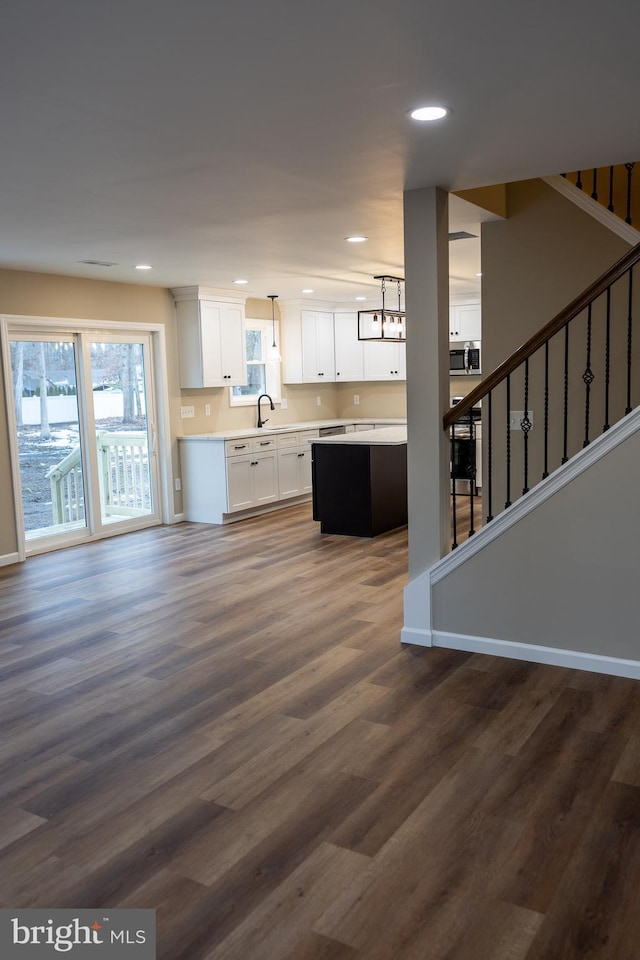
x: 263, y: 374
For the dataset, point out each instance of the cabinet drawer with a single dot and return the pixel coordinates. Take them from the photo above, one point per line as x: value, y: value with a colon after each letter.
x: 235, y: 448
x: 262, y: 444
x: 287, y: 440
x: 307, y: 435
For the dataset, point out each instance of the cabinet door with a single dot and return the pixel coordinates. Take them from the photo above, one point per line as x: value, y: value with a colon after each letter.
x: 317, y: 347
x: 265, y: 478
x: 304, y: 469
x: 465, y: 321
x: 210, y: 326
x: 384, y: 361
x: 233, y: 368
x: 288, y: 472
x: 349, y: 351
x: 240, y: 482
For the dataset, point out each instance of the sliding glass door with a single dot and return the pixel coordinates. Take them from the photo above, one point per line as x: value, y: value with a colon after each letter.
x: 84, y: 414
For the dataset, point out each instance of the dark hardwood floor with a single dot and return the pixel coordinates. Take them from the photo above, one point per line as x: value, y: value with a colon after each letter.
x: 221, y: 724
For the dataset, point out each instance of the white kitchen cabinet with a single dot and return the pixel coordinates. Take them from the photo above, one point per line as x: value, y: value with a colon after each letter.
x: 211, y: 339
x: 307, y: 344
x: 465, y: 321
x: 252, y: 480
x: 318, y: 360
x: 294, y: 463
x: 349, y: 350
x: 385, y: 361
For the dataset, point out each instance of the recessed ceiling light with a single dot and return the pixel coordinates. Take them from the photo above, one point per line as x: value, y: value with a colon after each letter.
x: 429, y: 113
x: 361, y: 298
x: 356, y: 239
x: 143, y: 266
x: 241, y: 281
x: 307, y: 290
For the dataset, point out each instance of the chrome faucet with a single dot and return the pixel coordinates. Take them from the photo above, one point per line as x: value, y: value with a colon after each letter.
x: 262, y: 422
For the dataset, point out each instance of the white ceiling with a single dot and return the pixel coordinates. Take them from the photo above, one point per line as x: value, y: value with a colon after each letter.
x: 218, y: 139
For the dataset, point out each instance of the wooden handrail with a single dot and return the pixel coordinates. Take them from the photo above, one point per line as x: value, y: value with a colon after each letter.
x: 545, y: 333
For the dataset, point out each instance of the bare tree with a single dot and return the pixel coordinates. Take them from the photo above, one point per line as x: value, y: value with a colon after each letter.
x: 45, y: 432
x: 18, y: 381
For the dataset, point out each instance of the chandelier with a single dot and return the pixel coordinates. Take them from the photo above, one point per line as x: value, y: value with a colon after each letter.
x: 387, y: 326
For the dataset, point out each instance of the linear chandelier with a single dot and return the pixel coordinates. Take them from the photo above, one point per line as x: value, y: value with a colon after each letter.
x: 383, y: 325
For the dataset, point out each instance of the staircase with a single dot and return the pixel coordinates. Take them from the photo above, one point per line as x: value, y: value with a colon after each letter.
x: 581, y: 374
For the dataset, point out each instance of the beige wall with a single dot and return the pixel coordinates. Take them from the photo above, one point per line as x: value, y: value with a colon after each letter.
x: 44, y: 295
x: 533, y: 265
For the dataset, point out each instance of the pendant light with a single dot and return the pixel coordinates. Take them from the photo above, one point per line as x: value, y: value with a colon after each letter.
x: 274, y: 353
x: 383, y: 325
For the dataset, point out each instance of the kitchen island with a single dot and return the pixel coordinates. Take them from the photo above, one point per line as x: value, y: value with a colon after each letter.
x: 360, y: 482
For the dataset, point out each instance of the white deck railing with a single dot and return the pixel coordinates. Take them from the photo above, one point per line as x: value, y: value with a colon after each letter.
x: 123, y: 475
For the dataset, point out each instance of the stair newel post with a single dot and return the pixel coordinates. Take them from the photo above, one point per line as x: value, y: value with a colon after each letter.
x: 594, y: 192
x: 454, y: 509
x: 565, y: 412
x: 525, y: 426
x: 545, y: 472
x: 629, y: 340
x: 629, y: 168
x: 489, y: 457
x: 607, y: 361
x: 587, y: 378
x: 508, y: 500
x: 610, y: 205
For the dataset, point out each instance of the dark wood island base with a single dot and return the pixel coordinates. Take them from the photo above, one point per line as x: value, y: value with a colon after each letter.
x: 359, y: 488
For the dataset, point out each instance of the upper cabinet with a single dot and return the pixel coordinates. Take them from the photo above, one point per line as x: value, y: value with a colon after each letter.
x: 307, y: 344
x: 349, y: 350
x: 385, y: 361
x: 465, y: 321
x: 211, y: 338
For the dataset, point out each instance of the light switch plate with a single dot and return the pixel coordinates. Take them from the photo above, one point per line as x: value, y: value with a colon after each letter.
x: 186, y: 412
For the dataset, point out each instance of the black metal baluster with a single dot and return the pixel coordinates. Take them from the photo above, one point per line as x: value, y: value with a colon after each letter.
x: 579, y: 180
x: 588, y: 379
x: 471, y: 470
x: 594, y: 192
x: 545, y: 472
x: 629, y: 340
x: 454, y: 530
x: 607, y: 362
x: 525, y: 425
x: 490, y: 459
x: 566, y: 395
x: 629, y: 168
x: 610, y: 207
x: 508, y: 500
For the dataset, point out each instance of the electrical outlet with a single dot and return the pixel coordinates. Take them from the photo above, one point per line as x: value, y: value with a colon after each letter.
x: 318, y: 402
x: 284, y: 403
x: 207, y: 409
x: 516, y: 417
x: 186, y: 412
x: 356, y: 399
x: 177, y: 483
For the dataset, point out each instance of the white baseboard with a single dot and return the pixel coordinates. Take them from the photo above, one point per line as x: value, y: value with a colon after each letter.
x: 419, y: 638
x: 574, y: 659
x: 8, y: 558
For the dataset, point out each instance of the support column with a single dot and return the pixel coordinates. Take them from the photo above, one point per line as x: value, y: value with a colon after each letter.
x: 426, y: 257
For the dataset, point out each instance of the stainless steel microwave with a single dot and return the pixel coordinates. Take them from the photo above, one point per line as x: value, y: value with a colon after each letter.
x: 464, y: 359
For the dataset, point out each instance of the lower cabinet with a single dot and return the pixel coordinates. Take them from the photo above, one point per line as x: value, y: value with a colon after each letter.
x: 252, y: 480
x: 221, y: 478
x: 294, y: 463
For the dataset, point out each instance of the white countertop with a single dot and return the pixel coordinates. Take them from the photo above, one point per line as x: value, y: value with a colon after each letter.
x: 382, y: 436
x: 297, y: 427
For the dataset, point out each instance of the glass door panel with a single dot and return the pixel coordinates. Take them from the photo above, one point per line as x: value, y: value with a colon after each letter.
x: 124, y: 452
x: 50, y: 454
